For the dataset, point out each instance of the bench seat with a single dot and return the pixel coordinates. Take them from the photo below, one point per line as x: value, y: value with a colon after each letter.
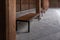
x: 28, y: 17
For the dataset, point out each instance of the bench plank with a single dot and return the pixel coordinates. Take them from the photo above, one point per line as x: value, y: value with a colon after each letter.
x: 27, y: 17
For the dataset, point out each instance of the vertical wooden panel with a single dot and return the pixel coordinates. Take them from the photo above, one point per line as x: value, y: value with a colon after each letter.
x: 18, y: 5
x: 24, y: 4
x: 10, y: 19
x: 53, y: 3
x: 32, y: 4
x: 38, y: 6
x: 58, y: 3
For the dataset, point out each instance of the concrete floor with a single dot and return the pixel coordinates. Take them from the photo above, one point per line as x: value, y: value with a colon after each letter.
x: 48, y: 28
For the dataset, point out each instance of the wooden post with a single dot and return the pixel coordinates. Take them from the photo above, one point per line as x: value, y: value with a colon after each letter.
x: 45, y: 4
x: 10, y: 19
x: 38, y: 6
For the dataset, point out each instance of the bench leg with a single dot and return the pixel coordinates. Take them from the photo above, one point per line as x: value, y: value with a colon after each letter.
x: 16, y: 25
x: 28, y: 26
x: 39, y: 18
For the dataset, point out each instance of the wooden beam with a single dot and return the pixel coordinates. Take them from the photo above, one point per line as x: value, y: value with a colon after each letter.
x: 38, y: 6
x: 10, y: 19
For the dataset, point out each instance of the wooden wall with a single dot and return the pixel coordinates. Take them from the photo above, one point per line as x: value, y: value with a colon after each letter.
x: 59, y: 3
x: 29, y: 4
x: 25, y: 4
x: 32, y: 4
x: 54, y: 3
x: 18, y: 3
x: 2, y: 20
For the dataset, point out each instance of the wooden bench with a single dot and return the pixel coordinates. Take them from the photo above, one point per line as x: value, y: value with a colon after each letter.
x: 27, y: 18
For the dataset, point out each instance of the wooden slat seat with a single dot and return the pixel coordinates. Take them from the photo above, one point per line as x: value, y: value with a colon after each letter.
x: 28, y: 17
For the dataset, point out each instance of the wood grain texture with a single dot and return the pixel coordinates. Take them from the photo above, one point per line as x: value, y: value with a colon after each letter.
x: 25, y: 5
x: 38, y: 6
x: 10, y: 19
x: 26, y: 17
x: 45, y: 4
x: 54, y: 3
x: 18, y: 5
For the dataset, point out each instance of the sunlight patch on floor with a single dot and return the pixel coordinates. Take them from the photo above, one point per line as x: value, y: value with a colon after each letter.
x: 58, y: 12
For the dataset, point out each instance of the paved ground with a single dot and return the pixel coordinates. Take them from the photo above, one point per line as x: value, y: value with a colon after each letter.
x: 48, y: 28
